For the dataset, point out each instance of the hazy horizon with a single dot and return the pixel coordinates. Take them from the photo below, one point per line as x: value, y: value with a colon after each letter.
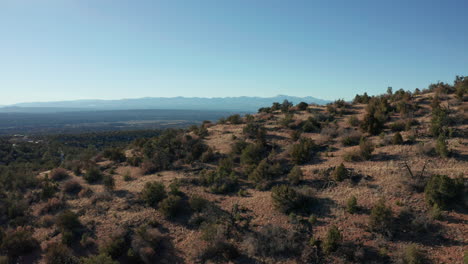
x: 56, y: 50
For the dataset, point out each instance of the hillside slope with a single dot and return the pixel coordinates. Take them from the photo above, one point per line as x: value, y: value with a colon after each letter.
x: 342, y: 183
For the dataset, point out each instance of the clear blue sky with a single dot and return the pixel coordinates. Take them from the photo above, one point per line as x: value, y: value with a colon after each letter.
x: 110, y: 49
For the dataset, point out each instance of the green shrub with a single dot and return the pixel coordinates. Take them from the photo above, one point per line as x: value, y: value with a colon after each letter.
x: 340, y: 173
x: 436, y: 212
x: 92, y: 175
x: 153, y: 193
x: 59, y: 254
x: 397, y: 139
x: 312, y: 219
x: 264, y: 173
x: 439, y: 121
x: 256, y: 131
x: 285, y: 198
x: 69, y: 225
x: 303, y: 151
x: 48, y: 189
x: 332, y: 240
x: 170, y: 206
x: 381, y: 218
x: 115, y: 154
x: 376, y: 115
x: 252, y: 154
x: 413, y: 255
x: 442, y: 190
x: 442, y: 147
x: 311, y: 125
x: 219, y: 181
x: 351, y: 205
x: 295, y: 176
x: 351, y: 139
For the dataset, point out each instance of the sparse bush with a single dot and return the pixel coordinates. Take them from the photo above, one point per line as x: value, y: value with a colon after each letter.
x: 332, y: 240
x: 93, y: 175
x: 311, y: 125
x: 134, y: 161
x: 153, y: 193
x: 18, y: 242
x: 127, y: 176
x: 149, y: 245
x: 351, y: 139
x: 109, y: 182
x: 354, y: 121
x: 60, y: 254
x: 170, y: 206
x: 303, y: 151
x: 340, y: 173
x: 197, y: 203
x: 397, y: 139
x: 351, y: 205
x: 72, y: 187
x: 302, y: 106
x: 435, y: 212
x: 234, y: 119
x: 295, y: 175
x: 68, y: 221
x: 442, y: 190
x: 218, y: 251
x: 58, y: 174
x: 381, y: 218
x: 412, y: 255
x: 52, y: 205
x: 366, y: 148
x: 115, y: 154
x: 287, y: 120
x: 115, y: 245
x: 99, y: 259
x: 273, y: 241
x: 256, y: 131
x: 48, y: 188
x: 398, y: 126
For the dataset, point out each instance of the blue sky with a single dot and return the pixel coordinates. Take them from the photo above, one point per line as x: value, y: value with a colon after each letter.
x: 110, y: 49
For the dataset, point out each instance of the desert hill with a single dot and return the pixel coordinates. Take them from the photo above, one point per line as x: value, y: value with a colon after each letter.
x: 379, y: 180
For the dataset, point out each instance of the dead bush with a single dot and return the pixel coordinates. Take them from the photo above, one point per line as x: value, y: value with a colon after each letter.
x: 72, y: 187
x: 58, y: 174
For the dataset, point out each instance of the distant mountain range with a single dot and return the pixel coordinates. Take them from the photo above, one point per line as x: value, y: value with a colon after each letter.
x: 243, y: 103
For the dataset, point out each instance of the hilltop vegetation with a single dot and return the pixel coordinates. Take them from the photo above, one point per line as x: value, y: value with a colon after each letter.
x: 381, y: 179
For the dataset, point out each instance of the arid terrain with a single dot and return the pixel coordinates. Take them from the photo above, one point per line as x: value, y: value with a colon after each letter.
x: 379, y: 180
